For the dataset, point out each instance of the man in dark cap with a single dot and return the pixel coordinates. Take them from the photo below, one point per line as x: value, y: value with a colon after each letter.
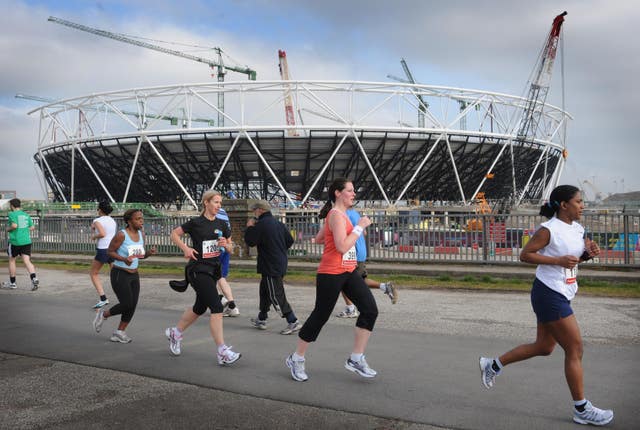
x: 273, y: 240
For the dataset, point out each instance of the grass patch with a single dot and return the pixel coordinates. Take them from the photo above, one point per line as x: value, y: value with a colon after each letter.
x: 589, y: 287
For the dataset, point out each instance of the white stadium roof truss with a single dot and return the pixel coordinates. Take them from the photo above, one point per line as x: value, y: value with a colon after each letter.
x: 347, y: 110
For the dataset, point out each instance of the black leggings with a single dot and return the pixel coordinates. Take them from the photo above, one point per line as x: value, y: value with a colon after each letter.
x: 127, y: 288
x: 206, y: 293
x: 328, y: 288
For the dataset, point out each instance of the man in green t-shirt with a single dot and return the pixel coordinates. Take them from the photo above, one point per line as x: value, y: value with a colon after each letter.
x: 19, y: 227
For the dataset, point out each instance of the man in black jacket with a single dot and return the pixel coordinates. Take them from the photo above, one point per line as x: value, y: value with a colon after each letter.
x: 273, y: 241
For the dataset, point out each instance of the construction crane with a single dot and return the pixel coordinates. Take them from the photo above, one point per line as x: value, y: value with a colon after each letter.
x: 541, y: 81
x: 596, y: 193
x: 537, y: 95
x: 219, y: 66
x: 283, y: 65
x: 422, y: 103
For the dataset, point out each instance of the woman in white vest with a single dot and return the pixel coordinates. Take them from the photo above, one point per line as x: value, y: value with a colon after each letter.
x: 556, y: 247
x: 104, y: 228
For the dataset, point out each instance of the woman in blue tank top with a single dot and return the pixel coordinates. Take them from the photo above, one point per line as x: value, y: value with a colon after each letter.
x: 126, y: 248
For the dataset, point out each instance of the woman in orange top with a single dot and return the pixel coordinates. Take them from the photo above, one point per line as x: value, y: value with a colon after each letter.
x: 336, y: 274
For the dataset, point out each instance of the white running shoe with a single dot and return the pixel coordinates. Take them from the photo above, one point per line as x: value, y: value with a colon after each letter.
x: 98, y: 320
x: 9, y: 285
x: 228, y: 312
x: 228, y: 356
x: 225, y: 302
x: 360, y: 367
x: 292, y: 327
x: 35, y: 282
x: 101, y: 303
x: 297, y: 369
x: 120, y: 336
x: 175, y: 340
x: 592, y: 415
x: 346, y: 313
x: 487, y: 374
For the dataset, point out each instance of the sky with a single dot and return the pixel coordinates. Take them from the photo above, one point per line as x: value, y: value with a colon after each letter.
x: 490, y: 45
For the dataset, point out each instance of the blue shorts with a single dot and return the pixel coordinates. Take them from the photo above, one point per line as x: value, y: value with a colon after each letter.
x: 224, y: 263
x: 549, y: 305
x: 102, y: 256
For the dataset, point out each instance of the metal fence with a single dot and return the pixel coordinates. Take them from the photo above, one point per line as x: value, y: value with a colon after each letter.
x: 423, y: 236
x: 410, y: 236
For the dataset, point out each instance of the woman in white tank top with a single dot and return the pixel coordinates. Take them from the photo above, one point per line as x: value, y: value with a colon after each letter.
x: 103, y: 228
x: 556, y: 247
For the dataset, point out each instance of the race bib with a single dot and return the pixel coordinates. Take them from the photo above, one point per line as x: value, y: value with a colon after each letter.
x: 210, y: 249
x: 570, y: 275
x: 349, y: 257
x: 136, y: 251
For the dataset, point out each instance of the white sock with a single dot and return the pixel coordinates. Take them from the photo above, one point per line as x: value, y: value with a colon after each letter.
x: 297, y: 357
x: 383, y: 286
x: 579, y: 402
x: 497, y: 360
x: 350, y: 308
x: 356, y: 357
x: 221, y: 348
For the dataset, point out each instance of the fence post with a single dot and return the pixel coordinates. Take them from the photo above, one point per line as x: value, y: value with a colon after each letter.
x: 485, y: 244
x: 63, y: 244
x: 625, y: 223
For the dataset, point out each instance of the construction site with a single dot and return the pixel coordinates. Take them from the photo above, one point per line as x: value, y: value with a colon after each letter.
x: 402, y: 142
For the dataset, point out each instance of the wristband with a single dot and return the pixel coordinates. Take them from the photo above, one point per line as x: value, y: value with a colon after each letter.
x: 357, y: 230
x: 585, y: 256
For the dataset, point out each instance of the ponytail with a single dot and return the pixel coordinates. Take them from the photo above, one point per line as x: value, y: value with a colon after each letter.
x: 325, y: 209
x: 338, y: 184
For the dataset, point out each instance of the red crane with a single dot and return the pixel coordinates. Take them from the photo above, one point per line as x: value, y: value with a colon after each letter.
x: 540, y: 82
x: 288, y: 100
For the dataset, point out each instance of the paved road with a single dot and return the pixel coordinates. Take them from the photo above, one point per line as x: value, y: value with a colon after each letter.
x: 56, y: 372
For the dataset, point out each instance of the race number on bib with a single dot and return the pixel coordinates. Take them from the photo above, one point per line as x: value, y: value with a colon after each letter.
x: 135, y: 251
x: 210, y: 249
x: 349, y: 257
x: 570, y: 275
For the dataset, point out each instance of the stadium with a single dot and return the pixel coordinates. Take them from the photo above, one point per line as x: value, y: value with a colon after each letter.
x: 398, y: 142
x: 283, y: 141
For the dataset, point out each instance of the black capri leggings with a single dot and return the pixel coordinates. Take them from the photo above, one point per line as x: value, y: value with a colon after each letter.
x: 206, y: 293
x: 126, y: 285
x: 328, y: 289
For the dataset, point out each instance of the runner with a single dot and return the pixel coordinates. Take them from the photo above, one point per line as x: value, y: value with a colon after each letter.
x: 387, y: 288
x: 336, y: 273
x: 209, y: 236
x: 228, y: 304
x: 20, y: 227
x: 126, y: 248
x: 556, y: 247
x: 104, y: 228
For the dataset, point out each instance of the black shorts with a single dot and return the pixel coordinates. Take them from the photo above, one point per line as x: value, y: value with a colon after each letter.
x: 15, y: 250
x: 103, y: 256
